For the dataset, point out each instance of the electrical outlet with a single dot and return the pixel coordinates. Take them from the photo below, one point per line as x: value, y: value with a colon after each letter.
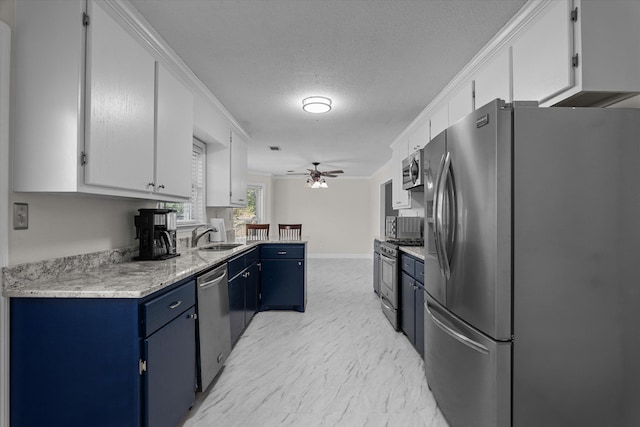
x: 20, y: 216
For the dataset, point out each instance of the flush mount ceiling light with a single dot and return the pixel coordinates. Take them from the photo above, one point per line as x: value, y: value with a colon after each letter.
x: 316, y: 104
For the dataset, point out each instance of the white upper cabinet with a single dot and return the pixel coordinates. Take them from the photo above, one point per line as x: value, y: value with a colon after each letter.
x: 439, y: 120
x: 399, y: 198
x: 542, y: 53
x: 238, y: 170
x: 120, y: 110
x: 227, y: 173
x: 460, y: 103
x: 174, y: 104
x: 208, y: 125
x: 420, y: 136
x: 95, y: 110
x: 493, y: 79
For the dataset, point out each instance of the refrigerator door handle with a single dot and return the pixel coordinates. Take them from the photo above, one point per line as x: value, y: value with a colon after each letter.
x: 436, y: 219
x: 443, y: 229
x: 457, y: 335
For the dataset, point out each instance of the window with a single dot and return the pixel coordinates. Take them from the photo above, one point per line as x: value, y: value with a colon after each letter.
x: 253, y: 213
x: 194, y: 212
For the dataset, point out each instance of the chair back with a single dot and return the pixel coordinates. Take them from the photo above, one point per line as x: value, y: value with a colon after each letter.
x: 290, y: 231
x: 257, y: 231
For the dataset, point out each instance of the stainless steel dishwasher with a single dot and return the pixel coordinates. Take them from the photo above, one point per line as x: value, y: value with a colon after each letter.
x: 214, y: 329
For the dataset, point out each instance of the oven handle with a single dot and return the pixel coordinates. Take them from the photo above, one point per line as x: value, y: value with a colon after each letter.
x: 389, y: 260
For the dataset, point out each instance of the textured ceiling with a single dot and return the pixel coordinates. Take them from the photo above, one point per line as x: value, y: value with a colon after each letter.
x: 380, y: 61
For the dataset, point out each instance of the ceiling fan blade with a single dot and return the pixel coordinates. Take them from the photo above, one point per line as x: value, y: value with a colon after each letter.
x: 329, y: 175
x: 332, y: 172
x: 298, y: 173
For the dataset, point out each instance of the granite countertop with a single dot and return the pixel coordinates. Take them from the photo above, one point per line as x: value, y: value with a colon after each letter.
x: 131, y: 279
x: 416, y: 251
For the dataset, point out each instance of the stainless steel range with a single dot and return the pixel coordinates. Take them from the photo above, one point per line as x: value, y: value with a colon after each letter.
x: 389, y: 277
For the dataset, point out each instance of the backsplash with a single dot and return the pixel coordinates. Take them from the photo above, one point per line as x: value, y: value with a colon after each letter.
x: 53, y: 267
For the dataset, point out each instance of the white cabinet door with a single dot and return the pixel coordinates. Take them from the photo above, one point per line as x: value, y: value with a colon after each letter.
x: 493, y: 79
x: 209, y: 126
x: 173, y: 136
x: 542, y: 55
x: 400, y: 198
x: 439, y: 120
x: 238, y: 170
x: 460, y: 103
x: 119, y: 140
x: 419, y: 137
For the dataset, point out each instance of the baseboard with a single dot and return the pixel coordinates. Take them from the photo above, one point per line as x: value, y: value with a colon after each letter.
x: 341, y: 256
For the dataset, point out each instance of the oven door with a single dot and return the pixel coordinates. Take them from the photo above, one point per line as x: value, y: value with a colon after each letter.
x: 389, y: 288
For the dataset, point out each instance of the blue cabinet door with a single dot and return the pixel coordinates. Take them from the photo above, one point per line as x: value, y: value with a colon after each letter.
x: 74, y: 362
x: 419, y: 293
x: 407, y: 307
x: 236, y: 307
x: 252, y: 287
x: 170, y: 380
x: 282, y: 284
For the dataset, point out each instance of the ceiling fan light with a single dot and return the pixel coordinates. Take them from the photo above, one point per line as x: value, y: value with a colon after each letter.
x: 308, y: 183
x: 316, y: 184
x: 323, y: 184
x: 316, y: 104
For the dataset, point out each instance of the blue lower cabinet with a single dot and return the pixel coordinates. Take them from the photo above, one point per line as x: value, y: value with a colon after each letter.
x: 169, y: 380
x: 244, y: 287
x: 283, y: 280
x: 412, y: 301
x: 80, y: 362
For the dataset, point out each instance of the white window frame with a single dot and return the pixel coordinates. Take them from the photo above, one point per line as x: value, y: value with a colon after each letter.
x: 198, y: 188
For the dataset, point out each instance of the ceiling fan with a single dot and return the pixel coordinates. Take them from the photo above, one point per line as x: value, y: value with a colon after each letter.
x: 316, y: 177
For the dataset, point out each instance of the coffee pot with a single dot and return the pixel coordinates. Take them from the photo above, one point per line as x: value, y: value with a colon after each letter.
x: 156, y: 230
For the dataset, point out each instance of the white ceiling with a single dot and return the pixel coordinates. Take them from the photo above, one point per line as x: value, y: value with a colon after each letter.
x: 380, y: 61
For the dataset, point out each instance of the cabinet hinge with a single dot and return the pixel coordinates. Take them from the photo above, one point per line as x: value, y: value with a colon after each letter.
x: 85, y: 19
x: 574, y: 14
x: 142, y: 366
x: 574, y: 60
x: 83, y: 158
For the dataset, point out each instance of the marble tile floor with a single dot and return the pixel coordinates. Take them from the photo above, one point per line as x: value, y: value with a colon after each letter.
x: 338, y: 364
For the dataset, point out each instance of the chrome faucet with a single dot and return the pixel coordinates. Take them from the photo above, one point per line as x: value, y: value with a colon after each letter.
x: 195, y: 236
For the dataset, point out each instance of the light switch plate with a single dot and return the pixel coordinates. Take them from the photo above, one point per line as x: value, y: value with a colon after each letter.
x: 20, y: 216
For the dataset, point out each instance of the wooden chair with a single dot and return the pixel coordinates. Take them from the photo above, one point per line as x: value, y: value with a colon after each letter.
x: 290, y: 231
x: 257, y: 231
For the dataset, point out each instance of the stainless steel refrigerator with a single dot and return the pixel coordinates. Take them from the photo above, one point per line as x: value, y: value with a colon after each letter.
x: 532, y: 267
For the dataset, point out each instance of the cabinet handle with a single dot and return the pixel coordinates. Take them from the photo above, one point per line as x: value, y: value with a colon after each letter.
x: 193, y: 316
x: 219, y: 358
x: 175, y: 304
x: 282, y: 253
x: 151, y: 184
x: 161, y: 186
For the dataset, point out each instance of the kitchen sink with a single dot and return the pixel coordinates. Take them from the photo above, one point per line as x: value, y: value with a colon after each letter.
x: 221, y: 247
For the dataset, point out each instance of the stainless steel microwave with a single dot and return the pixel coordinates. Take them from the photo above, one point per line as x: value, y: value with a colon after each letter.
x: 412, y: 172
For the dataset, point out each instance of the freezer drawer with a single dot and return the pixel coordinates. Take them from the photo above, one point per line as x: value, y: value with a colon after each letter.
x: 468, y: 373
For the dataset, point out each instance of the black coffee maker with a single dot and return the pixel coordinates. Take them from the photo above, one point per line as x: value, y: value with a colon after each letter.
x: 156, y: 229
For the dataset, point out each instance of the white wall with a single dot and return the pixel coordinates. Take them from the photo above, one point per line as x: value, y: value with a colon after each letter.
x: 337, y: 220
x: 71, y: 224
x: 381, y: 176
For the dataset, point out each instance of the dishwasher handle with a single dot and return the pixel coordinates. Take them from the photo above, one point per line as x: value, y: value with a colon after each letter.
x: 210, y: 283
